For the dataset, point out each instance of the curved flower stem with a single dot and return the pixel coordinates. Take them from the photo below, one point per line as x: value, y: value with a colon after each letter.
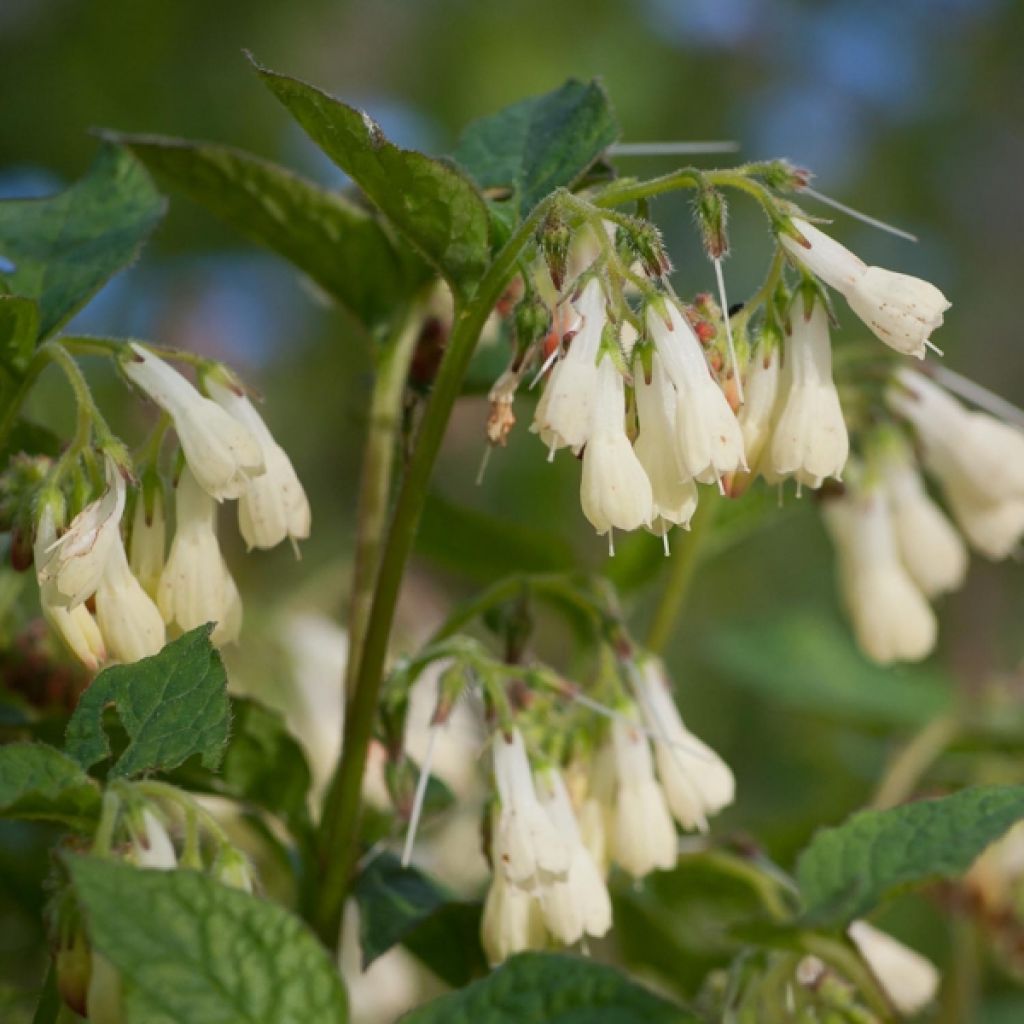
x: 339, y: 845
x: 910, y: 764
x: 682, y: 567
x: 89, y: 345
x: 375, y: 481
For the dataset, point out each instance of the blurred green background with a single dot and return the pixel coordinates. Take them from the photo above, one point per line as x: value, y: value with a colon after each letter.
x: 913, y: 111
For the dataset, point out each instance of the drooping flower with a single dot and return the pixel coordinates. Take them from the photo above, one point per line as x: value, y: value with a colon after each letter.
x: 615, y: 491
x: 147, y: 547
x: 152, y: 846
x: 512, y: 921
x: 901, y: 310
x: 221, y: 452
x: 75, y: 626
x: 891, y: 618
x: 642, y: 835
x: 710, y: 443
x: 696, y: 781
x: 71, y: 567
x: 909, y: 979
x: 758, y: 414
x: 809, y: 438
x: 273, y: 506
x: 196, y: 586
x: 129, y: 620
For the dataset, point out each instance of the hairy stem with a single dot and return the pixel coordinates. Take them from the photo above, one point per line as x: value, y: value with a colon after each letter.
x: 342, y: 806
x: 911, y: 763
x: 682, y: 567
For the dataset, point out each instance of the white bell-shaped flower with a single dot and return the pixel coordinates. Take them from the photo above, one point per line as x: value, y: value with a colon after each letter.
x: 891, y: 618
x: 75, y: 626
x: 196, y: 586
x: 129, y: 620
x: 220, y: 451
x: 993, y: 526
x: 696, y: 781
x: 579, y: 904
x: 673, y: 491
x: 71, y: 567
x: 643, y: 838
x: 147, y: 548
x: 809, y: 439
x: 564, y: 416
x: 273, y: 505
x: 527, y: 845
x: 709, y: 439
x: 900, y: 310
x: 758, y: 413
x: 929, y: 545
x: 910, y: 980
x: 615, y: 491
x: 512, y: 921
x: 152, y: 846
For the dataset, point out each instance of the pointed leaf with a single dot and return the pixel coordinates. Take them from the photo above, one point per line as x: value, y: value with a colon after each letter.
x: 190, y: 949
x: 432, y: 203
x: 39, y: 782
x: 65, y: 247
x: 539, y: 144
x: 848, y: 870
x: 172, y: 705
x: 341, y: 246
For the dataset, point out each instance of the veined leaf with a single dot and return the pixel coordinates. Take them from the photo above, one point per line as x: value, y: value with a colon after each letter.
x: 19, y: 328
x: 65, y: 247
x: 341, y: 246
x: 190, y: 949
x: 540, y: 144
x: 847, y: 870
x: 172, y: 705
x: 431, y: 203
x: 39, y: 782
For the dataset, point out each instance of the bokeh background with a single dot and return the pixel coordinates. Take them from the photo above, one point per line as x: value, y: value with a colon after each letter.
x: 912, y: 110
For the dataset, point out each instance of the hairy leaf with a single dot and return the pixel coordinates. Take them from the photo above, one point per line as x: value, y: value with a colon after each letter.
x: 19, y: 328
x: 547, y: 988
x: 39, y: 782
x: 402, y: 905
x: 190, y: 949
x: 172, y: 705
x: 847, y: 870
x: 540, y: 144
x: 432, y: 203
x: 65, y: 247
x: 341, y: 246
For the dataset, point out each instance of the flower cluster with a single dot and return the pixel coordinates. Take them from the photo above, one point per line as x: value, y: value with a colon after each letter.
x: 112, y: 599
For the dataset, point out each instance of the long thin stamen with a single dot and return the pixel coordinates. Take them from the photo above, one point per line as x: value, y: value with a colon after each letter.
x: 664, y: 543
x: 728, y: 329
x: 935, y: 348
x: 483, y: 465
x: 611, y: 542
x: 420, y: 796
x: 544, y: 368
x: 672, y: 148
x: 851, y: 212
x: 979, y: 395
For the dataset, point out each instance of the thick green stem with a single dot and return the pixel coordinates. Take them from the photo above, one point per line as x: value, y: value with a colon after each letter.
x: 682, y: 566
x: 911, y: 763
x: 375, y: 482
x: 339, y: 827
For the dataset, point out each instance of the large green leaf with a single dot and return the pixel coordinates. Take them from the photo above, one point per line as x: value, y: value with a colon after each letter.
x: 66, y: 246
x: 190, y: 949
x: 172, y: 705
x: 810, y: 662
x: 546, y: 988
x: 39, y: 782
x: 341, y: 246
x: 432, y: 203
x: 540, y: 144
x: 847, y: 870
x: 402, y: 905
x: 19, y: 328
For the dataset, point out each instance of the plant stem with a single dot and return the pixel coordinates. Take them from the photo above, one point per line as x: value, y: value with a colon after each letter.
x: 48, y: 1007
x: 682, y: 566
x: 375, y: 481
x: 339, y: 846
x: 910, y: 764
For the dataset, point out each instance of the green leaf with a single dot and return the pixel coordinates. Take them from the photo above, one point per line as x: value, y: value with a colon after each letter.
x: 19, y: 328
x: 848, y: 870
x: 65, y: 247
x: 809, y: 662
x: 402, y: 905
x: 172, y: 705
x: 432, y: 203
x: 540, y: 144
x: 190, y: 949
x: 546, y: 988
x: 38, y: 782
x: 341, y: 246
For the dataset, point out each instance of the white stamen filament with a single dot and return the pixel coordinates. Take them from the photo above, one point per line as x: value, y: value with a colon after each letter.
x: 544, y: 367
x: 979, y: 395
x: 483, y: 465
x: 679, y: 148
x: 420, y: 796
x: 851, y: 212
x: 728, y: 329
x: 664, y: 543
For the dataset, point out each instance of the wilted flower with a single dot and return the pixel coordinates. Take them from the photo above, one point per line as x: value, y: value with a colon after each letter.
x: 220, y: 451
x: 129, y: 620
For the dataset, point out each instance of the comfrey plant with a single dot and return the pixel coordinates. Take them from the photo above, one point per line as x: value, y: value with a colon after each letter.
x: 555, y: 787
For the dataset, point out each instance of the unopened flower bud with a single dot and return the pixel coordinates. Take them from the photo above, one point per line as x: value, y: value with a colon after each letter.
x: 554, y: 237
x: 712, y: 214
x: 646, y: 242
x: 72, y: 965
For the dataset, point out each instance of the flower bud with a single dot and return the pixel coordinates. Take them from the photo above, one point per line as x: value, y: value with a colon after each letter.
x: 712, y: 213
x: 72, y: 964
x: 909, y: 979
x: 554, y: 237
